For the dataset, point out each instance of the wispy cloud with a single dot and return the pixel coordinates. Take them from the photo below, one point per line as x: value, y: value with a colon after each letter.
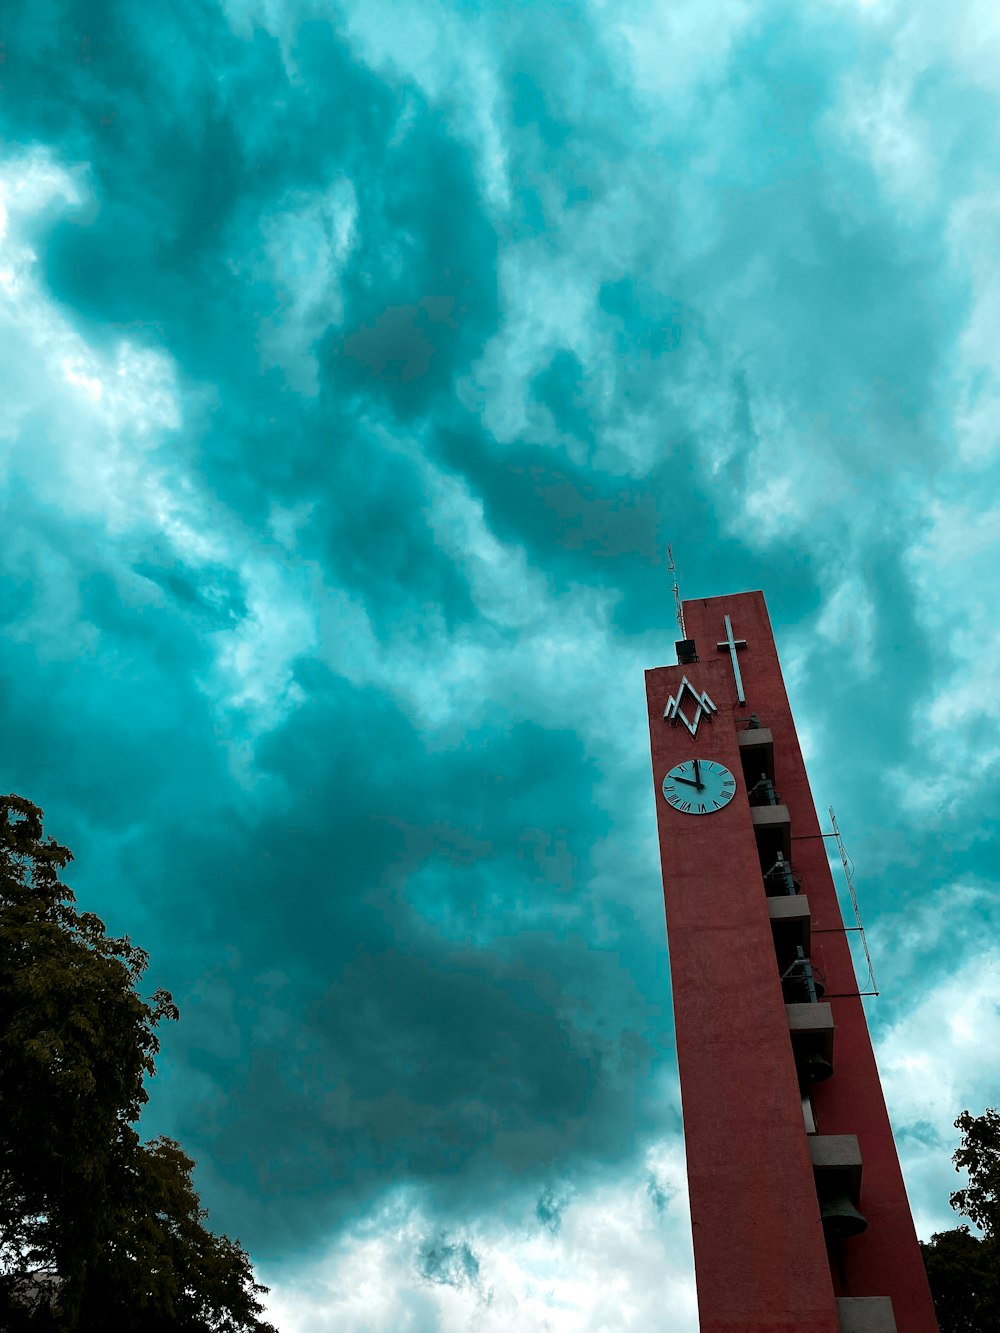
x: 359, y: 361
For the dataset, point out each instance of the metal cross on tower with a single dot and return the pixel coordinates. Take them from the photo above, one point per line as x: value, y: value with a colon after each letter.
x: 733, y: 646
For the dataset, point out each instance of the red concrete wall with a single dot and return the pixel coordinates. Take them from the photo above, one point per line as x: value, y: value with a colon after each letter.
x: 760, y: 1257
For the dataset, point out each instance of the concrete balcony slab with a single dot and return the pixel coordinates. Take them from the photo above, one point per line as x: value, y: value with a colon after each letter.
x: 837, y: 1154
x: 755, y: 738
x: 771, y: 822
x: 812, y: 1024
x: 866, y: 1314
x: 790, y: 923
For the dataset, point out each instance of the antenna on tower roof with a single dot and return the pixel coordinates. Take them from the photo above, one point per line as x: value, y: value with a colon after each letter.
x: 677, y: 592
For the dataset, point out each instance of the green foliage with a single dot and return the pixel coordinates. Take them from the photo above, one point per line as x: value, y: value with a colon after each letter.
x: 979, y: 1155
x: 964, y: 1271
x: 97, y: 1230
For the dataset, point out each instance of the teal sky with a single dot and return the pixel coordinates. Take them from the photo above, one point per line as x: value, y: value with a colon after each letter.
x: 359, y: 361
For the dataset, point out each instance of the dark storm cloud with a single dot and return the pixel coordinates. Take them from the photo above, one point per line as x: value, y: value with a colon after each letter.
x: 659, y: 1196
x: 215, y: 592
x: 419, y: 284
x: 99, y: 675
x: 395, y: 955
x: 450, y: 1263
x: 471, y: 1043
x: 549, y: 1210
x: 403, y: 996
x: 188, y: 154
x: 562, y: 512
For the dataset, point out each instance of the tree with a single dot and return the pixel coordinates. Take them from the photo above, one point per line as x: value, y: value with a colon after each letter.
x: 964, y: 1270
x: 97, y: 1230
x: 979, y: 1155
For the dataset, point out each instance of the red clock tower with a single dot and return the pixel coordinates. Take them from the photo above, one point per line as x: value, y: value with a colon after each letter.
x: 798, y: 1209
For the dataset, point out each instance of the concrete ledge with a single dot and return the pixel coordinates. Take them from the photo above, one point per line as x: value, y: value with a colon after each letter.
x: 866, y: 1314
x: 788, y: 907
x: 811, y: 1025
x: 838, y: 1153
x: 810, y: 1018
x: 754, y: 738
x: 770, y: 816
x: 791, y: 920
x: 835, y: 1150
x: 772, y: 825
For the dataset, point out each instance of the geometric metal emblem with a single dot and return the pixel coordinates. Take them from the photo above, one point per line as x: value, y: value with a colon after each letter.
x: 703, y: 707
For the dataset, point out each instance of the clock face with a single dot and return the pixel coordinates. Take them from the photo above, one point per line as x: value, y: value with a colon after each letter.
x: 699, y: 786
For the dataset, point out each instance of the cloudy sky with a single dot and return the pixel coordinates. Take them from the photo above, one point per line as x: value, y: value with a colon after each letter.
x: 359, y: 361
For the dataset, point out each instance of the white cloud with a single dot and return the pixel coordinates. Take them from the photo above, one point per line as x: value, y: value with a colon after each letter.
x: 618, y: 1258
x: 111, y: 418
x: 935, y: 1062
x: 96, y: 433
x: 847, y: 622
x: 952, y: 561
x: 876, y: 119
x: 974, y: 241
x: 104, y: 413
x: 111, y: 452
x: 305, y: 243
x: 673, y: 48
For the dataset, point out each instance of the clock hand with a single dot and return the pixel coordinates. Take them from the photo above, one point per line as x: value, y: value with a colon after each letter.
x: 687, y: 782
x: 697, y: 775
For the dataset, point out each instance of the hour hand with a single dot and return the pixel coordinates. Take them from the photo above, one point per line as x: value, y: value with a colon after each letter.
x: 687, y: 782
